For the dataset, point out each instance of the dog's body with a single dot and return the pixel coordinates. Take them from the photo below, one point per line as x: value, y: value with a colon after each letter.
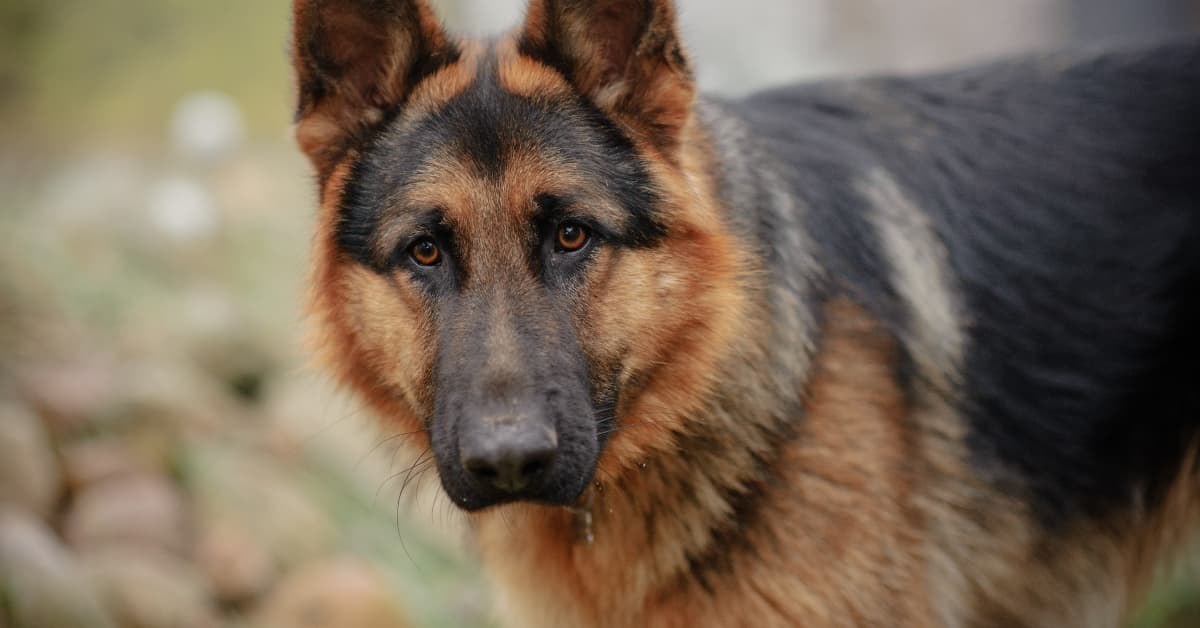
x: 891, y: 352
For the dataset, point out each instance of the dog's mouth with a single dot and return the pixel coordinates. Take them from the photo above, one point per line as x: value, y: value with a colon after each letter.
x: 471, y: 490
x: 582, y: 513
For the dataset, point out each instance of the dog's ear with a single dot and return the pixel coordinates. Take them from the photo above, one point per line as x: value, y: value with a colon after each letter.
x: 356, y: 61
x: 624, y: 55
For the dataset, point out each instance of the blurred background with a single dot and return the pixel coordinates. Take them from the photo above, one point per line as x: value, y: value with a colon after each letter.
x: 168, y: 457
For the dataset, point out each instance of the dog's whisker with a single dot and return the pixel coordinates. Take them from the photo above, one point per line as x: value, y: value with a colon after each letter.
x: 383, y: 442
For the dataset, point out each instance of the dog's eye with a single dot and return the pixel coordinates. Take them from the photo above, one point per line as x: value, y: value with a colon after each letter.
x: 572, y: 236
x: 425, y: 252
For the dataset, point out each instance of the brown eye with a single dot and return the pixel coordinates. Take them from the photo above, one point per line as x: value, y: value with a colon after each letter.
x: 571, y: 236
x: 425, y: 252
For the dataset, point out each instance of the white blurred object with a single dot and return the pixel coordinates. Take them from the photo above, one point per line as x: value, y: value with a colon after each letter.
x: 207, y: 126
x: 182, y: 210
x: 480, y: 16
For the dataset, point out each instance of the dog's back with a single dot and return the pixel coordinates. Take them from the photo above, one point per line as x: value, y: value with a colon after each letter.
x: 1062, y: 194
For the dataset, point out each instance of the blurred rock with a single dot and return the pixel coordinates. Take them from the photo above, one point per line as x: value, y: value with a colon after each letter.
x: 235, y: 356
x: 242, y: 487
x: 102, y: 395
x: 340, y: 593
x: 237, y: 566
x: 141, y: 511
x: 92, y: 461
x: 29, y: 475
x: 70, y: 394
x: 223, y: 344
x: 182, y: 210
x: 178, y: 398
x: 147, y: 588
x: 207, y: 126
x: 301, y: 404
x: 41, y: 583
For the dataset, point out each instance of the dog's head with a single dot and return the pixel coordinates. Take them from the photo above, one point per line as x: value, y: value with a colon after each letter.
x: 519, y: 252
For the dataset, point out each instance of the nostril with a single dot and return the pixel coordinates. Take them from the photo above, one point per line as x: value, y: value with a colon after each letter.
x: 510, y: 470
x: 512, y: 458
x: 482, y: 470
x: 532, y: 468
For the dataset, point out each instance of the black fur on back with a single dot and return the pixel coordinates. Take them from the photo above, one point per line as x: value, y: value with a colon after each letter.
x: 1066, y: 192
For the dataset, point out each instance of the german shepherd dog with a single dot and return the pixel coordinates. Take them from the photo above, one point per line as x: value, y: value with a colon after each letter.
x: 885, y: 352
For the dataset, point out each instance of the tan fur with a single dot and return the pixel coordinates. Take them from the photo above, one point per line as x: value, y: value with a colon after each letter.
x: 525, y: 77
x: 448, y: 82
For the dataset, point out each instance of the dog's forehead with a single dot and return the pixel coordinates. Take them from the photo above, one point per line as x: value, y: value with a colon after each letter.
x: 479, y: 141
x: 514, y: 131
x: 488, y: 131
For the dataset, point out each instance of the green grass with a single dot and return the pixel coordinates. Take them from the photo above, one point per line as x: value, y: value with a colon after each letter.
x: 96, y: 71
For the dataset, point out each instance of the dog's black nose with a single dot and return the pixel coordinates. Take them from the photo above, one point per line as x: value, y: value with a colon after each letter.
x: 511, y: 457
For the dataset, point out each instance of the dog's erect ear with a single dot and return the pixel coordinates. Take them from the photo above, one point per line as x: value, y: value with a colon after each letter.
x: 356, y: 61
x: 624, y: 55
